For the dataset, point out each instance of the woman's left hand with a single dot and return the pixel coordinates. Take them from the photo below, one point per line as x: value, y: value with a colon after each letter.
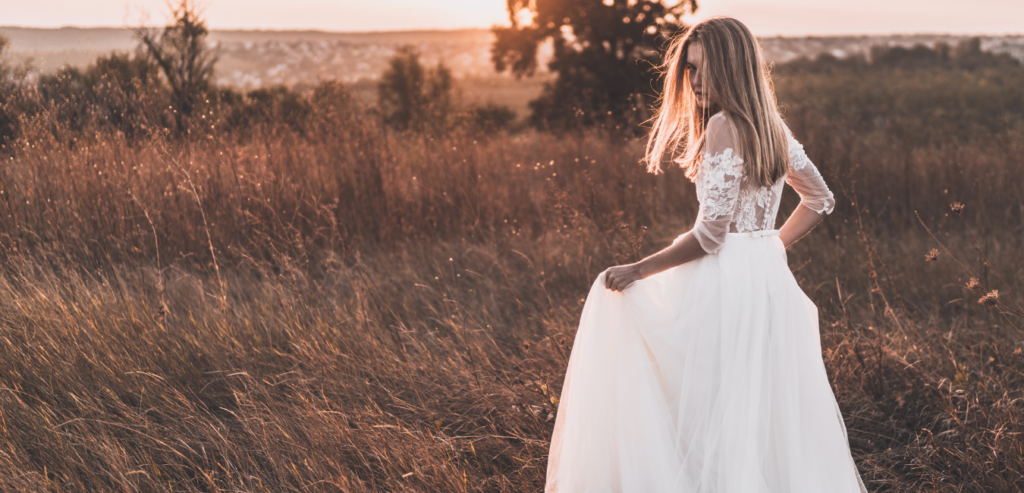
x: 620, y: 277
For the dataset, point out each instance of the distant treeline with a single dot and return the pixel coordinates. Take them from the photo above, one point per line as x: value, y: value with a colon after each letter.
x: 166, y: 86
x: 145, y: 92
x: 127, y: 93
x: 966, y: 55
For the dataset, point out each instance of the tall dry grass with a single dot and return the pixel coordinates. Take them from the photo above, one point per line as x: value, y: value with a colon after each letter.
x: 340, y: 308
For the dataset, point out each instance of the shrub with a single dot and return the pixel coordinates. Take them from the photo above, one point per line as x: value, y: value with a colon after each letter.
x: 412, y: 97
x: 491, y: 118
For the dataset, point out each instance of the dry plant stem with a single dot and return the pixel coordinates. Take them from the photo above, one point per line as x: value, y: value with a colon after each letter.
x: 395, y: 323
x: 977, y: 246
x: 156, y: 250
x: 1006, y: 309
x: 871, y: 256
x: 206, y: 227
x: 942, y: 245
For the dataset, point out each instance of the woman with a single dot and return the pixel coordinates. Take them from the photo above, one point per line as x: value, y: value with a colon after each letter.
x: 698, y: 369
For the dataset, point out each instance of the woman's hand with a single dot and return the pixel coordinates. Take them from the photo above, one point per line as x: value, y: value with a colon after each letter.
x: 801, y: 222
x: 621, y: 276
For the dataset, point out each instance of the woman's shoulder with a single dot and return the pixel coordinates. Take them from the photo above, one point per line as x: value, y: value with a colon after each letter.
x: 721, y: 155
x: 720, y: 134
x: 718, y: 119
x: 797, y: 156
x: 795, y: 146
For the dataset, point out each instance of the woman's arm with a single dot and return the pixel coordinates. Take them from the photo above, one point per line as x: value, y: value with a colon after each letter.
x: 801, y: 222
x: 685, y: 249
x: 816, y: 199
x: 720, y: 179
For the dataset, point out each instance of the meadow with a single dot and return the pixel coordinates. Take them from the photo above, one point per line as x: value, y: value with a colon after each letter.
x: 289, y: 296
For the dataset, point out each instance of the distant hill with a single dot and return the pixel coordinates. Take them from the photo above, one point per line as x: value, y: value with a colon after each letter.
x: 783, y: 49
x: 257, y: 58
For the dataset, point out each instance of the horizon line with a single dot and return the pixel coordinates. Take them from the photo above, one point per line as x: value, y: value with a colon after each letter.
x: 458, y: 29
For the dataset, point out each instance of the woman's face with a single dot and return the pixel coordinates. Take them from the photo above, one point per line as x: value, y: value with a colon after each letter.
x: 694, y: 58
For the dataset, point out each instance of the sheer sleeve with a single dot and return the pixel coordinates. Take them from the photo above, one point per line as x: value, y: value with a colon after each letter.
x: 804, y: 177
x: 718, y: 184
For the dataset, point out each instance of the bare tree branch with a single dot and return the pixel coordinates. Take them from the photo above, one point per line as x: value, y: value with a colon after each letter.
x: 185, y: 60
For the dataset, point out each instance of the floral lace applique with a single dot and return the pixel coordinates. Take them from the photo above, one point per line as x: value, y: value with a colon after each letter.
x: 798, y: 159
x: 725, y: 193
x: 757, y: 207
x: 718, y: 183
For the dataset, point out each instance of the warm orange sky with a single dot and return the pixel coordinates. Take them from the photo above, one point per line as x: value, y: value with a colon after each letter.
x: 787, y: 17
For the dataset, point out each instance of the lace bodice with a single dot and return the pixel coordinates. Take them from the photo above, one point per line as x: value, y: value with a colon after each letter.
x: 729, y: 202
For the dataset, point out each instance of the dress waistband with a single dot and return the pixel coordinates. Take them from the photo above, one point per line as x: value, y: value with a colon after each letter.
x: 758, y: 234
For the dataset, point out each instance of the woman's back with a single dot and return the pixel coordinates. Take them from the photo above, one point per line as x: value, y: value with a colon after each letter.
x: 730, y: 202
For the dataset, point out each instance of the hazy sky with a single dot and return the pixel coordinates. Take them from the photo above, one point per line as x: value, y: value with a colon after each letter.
x: 787, y: 17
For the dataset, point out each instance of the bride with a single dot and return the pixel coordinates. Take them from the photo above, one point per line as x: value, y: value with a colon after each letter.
x: 698, y: 369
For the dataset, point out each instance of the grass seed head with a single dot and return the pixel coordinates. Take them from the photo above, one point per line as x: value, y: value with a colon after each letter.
x: 990, y: 299
x: 932, y: 256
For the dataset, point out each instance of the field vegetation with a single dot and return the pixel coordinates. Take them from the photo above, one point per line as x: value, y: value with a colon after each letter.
x: 283, y: 291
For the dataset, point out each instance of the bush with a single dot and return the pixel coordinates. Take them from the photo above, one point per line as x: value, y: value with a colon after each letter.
x: 491, y: 118
x: 412, y: 97
x: 275, y: 105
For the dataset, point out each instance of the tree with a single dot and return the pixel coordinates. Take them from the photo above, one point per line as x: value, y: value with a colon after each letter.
x: 413, y: 97
x: 8, y: 114
x: 5, y: 69
x: 181, y: 52
x: 606, y: 55
x: 13, y: 83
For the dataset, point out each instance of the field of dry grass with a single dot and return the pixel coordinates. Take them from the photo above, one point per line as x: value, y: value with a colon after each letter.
x: 343, y: 308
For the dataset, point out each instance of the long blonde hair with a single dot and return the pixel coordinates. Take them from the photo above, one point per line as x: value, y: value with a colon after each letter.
x: 738, y: 80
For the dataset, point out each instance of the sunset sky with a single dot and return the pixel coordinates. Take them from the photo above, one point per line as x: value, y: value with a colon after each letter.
x: 766, y: 18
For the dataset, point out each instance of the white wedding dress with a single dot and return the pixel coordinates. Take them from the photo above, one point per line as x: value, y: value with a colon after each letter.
x: 707, y: 377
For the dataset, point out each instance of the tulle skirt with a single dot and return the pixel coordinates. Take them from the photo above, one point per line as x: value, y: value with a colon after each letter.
x: 707, y: 377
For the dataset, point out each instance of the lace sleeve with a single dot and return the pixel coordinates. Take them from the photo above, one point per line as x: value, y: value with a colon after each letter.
x: 804, y: 177
x: 718, y: 185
